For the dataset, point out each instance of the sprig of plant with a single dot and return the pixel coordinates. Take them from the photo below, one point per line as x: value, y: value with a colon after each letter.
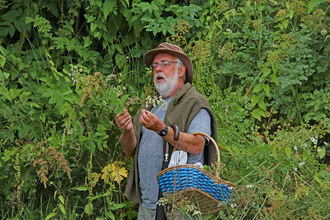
x: 155, y: 102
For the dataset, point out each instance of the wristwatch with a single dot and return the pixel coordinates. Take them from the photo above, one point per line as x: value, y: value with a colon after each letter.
x: 164, y: 131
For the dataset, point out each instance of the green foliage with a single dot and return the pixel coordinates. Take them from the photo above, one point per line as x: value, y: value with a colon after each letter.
x: 68, y: 67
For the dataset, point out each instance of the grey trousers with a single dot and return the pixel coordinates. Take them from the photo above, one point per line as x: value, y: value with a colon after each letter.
x: 150, y: 214
x: 146, y: 214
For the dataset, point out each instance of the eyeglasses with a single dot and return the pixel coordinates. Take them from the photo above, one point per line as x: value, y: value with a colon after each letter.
x: 163, y: 64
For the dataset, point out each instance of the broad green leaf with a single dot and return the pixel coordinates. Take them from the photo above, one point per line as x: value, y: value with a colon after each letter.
x: 2, y: 61
x: 20, y: 25
x: 260, y: 112
x: 61, y: 199
x: 114, y: 206
x: 89, y: 208
x: 108, y: 6
x: 62, y: 208
x: 11, y: 30
x: 321, y: 152
x: 82, y: 188
x: 266, y: 71
x: 256, y: 115
x: 111, y: 215
x: 317, y: 178
x: 313, y: 3
x: 87, y: 41
x: 51, y: 215
x: 288, y: 151
x: 274, y: 78
x: 266, y: 88
x: 5, y: 93
x: 83, y: 138
x: 305, y: 155
x: 254, y: 100
x: 262, y: 104
x: 274, y: 152
x: 257, y: 88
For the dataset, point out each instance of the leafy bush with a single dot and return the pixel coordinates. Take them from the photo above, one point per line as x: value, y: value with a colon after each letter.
x: 67, y: 67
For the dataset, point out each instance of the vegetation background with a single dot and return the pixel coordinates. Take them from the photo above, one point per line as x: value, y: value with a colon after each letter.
x: 67, y: 67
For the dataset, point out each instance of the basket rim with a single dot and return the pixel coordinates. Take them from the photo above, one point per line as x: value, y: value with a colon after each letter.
x: 213, y: 177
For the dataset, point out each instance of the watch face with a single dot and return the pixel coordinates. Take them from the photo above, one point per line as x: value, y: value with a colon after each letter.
x: 164, y: 131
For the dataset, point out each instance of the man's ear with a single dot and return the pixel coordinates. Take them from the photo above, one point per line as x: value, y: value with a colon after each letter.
x: 182, y: 70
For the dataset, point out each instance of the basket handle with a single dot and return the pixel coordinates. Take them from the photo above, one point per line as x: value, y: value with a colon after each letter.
x: 215, y: 145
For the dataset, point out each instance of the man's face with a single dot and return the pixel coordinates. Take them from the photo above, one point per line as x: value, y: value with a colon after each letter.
x: 166, y: 77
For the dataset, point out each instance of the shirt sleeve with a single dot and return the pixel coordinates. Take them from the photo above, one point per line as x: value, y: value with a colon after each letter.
x: 201, y: 123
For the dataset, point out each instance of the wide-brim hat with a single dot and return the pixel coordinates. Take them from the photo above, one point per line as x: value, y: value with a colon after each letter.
x: 175, y: 51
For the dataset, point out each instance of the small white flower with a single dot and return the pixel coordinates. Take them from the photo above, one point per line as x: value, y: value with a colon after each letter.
x: 231, y: 188
x: 326, y: 143
x: 319, y: 150
x: 229, y: 31
x: 196, y: 212
x: 324, y: 32
x: 162, y: 201
x: 295, y: 148
x: 233, y: 205
x: 313, y: 140
x: 294, y: 168
x: 287, y: 176
x: 301, y: 164
x: 249, y: 186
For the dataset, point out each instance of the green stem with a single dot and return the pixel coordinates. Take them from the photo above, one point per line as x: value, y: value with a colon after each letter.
x: 251, y: 172
x: 308, y: 185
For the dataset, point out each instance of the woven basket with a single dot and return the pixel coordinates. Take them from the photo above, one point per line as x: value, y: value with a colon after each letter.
x: 194, y: 184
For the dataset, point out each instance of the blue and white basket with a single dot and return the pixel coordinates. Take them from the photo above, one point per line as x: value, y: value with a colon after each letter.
x: 189, y: 182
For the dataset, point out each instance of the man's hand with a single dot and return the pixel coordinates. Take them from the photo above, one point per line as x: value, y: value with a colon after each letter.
x: 124, y: 120
x: 151, y: 121
x: 127, y: 138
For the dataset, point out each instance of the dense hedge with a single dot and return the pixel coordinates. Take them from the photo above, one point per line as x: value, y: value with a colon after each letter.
x: 67, y: 67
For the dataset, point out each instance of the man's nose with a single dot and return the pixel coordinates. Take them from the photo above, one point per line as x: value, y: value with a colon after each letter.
x: 158, y: 67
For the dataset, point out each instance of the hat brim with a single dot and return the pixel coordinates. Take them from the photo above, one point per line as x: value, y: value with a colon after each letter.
x: 149, y: 57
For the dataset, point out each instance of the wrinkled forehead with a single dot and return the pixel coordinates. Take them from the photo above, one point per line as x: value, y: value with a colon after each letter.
x: 163, y: 56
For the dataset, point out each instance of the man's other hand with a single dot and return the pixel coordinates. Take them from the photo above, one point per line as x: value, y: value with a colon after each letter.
x: 151, y: 121
x: 124, y: 120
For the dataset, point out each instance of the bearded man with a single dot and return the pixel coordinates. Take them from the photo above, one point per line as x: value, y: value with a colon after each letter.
x: 145, y: 136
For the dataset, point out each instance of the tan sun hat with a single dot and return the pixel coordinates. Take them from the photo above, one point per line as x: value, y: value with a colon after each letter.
x: 175, y: 51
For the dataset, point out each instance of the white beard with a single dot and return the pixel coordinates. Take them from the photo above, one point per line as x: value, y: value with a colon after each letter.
x: 166, y: 87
